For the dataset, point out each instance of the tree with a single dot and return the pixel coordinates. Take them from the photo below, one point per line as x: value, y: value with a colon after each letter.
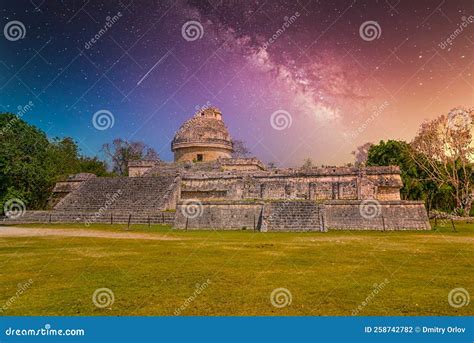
x: 120, y: 152
x: 307, y: 163
x: 64, y: 158
x: 240, y: 149
x: 361, y: 154
x: 398, y: 153
x: 31, y: 164
x: 446, y: 146
x: 24, y: 172
x: 92, y: 165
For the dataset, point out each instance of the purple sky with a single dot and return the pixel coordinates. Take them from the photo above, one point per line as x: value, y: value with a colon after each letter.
x: 294, y: 79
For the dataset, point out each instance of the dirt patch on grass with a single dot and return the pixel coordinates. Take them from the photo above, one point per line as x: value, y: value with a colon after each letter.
x: 334, y: 239
x: 100, y: 252
x: 449, y: 238
x: 14, y: 231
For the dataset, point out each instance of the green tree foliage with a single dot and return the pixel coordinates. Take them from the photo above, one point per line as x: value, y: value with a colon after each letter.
x: 417, y: 184
x: 397, y: 153
x: 30, y: 164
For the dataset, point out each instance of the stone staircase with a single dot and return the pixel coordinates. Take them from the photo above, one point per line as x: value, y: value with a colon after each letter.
x: 138, y: 195
x: 292, y: 216
x: 111, y: 200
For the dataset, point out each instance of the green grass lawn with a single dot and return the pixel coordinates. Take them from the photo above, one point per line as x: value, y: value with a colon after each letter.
x: 326, y: 273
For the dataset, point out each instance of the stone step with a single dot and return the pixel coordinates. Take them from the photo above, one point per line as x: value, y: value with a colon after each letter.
x: 294, y: 216
x: 141, y: 194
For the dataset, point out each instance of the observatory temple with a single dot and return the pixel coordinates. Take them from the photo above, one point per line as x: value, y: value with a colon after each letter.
x: 205, y: 188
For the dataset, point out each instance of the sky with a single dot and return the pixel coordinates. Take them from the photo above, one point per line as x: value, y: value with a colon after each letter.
x: 293, y: 79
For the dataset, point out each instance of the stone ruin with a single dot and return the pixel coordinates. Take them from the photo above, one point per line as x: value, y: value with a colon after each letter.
x: 205, y: 188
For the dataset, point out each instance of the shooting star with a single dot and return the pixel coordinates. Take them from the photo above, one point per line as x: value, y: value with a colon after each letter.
x: 154, y: 66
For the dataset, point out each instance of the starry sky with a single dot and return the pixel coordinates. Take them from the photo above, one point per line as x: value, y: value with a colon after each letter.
x: 293, y: 79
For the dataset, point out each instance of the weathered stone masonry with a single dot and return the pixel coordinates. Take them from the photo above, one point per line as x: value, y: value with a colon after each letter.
x: 382, y: 183
x: 206, y: 189
x: 318, y: 199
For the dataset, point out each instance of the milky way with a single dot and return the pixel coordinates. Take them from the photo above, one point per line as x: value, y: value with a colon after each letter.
x: 294, y: 79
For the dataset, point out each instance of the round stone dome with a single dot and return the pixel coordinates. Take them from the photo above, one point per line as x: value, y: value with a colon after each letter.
x: 202, y: 138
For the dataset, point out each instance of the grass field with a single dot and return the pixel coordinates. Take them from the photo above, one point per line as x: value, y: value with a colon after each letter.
x: 334, y: 273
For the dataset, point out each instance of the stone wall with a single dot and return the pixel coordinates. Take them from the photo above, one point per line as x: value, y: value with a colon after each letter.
x: 208, y: 153
x: 218, y: 215
x: 373, y: 215
x: 322, y: 184
x: 297, y: 215
x: 221, y: 164
x: 139, y: 168
x: 245, y: 164
x: 171, y: 196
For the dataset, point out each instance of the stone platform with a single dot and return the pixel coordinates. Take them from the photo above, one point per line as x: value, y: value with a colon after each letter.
x: 206, y: 187
x: 302, y: 215
x: 239, y: 194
